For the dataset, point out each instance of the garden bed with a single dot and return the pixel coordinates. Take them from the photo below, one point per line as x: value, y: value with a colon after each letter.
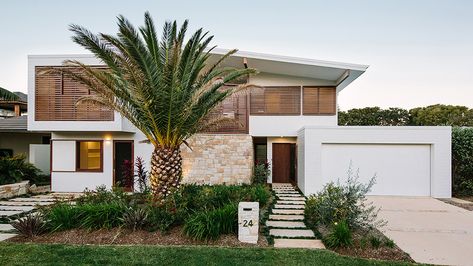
x: 122, y: 236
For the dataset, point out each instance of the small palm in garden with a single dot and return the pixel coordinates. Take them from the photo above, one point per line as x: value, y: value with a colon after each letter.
x: 167, y: 88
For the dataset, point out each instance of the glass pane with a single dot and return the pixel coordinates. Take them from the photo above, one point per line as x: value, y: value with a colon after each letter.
x: 89, y: 155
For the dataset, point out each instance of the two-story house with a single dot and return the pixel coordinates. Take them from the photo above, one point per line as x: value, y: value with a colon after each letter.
x: 288, y: 120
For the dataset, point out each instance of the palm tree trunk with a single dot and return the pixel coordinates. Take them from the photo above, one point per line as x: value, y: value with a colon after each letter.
x: 166, y: 171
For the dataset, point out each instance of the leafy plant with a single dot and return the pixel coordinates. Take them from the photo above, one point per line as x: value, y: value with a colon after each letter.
x: 375, y: 242
x: 160, y: 218
x: 15, y: 168
x: 261, y: 173
x: 30, y: 225
x: 389, y: 243
x: 142, y: 175
x: 135, y: 218
x: 8, y: 95
x: 208, y: 225
x: 462, y: 161
x: 339, y: 236
x: 343, y: 202
x: 62, y: 216
x: 102, y: 195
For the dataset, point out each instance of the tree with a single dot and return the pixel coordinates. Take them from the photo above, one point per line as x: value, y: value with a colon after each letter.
x: 7, y: 95
x: 442, y: 115
x: 166, y: 87
x: 374, y: 116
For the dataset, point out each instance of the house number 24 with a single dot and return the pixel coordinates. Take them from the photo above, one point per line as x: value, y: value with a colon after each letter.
x: 247, y: 223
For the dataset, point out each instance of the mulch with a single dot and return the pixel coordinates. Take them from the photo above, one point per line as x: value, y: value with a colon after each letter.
x: 122, y: 236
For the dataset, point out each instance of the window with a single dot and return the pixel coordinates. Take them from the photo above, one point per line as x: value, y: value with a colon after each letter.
x: 275, y: 101
x: 89, y: 156
x: 319, y: 101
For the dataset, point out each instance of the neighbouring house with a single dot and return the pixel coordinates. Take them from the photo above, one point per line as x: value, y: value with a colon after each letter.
x: 288, y: 120
x: 16, y: 139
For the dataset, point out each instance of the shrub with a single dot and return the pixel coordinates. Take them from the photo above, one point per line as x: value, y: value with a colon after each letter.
x: 375, y: 242
x: 161, y: 218
x: 261, y: 173
x: 103, y: 195
x: 141, y: 175
x: 30, y: 225
x: 64, y: 216
x: 339, y: 236
x: 14, y: 169
x: 343, y: 202
x: 135, y: 218
x: 211, y: 224
x: 389, y: 243
x: 462, y: 161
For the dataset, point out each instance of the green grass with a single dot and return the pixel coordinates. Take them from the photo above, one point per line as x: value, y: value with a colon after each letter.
x: 46, y: 254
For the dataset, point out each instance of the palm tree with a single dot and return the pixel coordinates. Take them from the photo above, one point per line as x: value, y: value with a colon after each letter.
x: 7, y: 95
x: 166, y: 88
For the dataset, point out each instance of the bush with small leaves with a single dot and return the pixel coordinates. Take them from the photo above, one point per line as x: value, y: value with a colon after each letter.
x: 135, y: 218
x: 30, y: 225
x: 375, y: 242
x: 339, y: 236
x: 389, y: 243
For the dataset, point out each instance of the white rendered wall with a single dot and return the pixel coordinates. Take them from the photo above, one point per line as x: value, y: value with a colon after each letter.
x: 269, y: 149
x: 40, y: 157
x: 285, y: 126
x: 311, y: 170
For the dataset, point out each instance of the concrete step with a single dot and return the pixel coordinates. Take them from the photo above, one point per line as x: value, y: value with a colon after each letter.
x: 288, y: 206
x: 287, y: 211
x: 298, y: 243
x: 291, y: 233
x: 286, y: 217
x: 6, y: 227
x: 297, y: 202
x: 295, y: 198
x: 25, y: 203
x: 285, y: 224
x: 294, y: 195
x: 32, y: 199
x: 10, y: 213
x: 287, y: 192
x: 5, y: 236
x: 15, y: 208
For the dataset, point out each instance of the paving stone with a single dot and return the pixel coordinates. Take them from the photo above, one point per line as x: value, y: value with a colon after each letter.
x: 285, y: 224
x: 25, y: 203
x: 6, y: 227
x: 288, y: 206
x: 15, y: 208
x: 286, y: 217
x: 295, y: 198
x: 298, y: 243
x: 288, y: 195
x: 5, y: 236
x: 9, y: 213
x: 288, y: 192
x: 32, y: 199
x: 292, y: 232
x: 286, y: 211
x: 290, y: 202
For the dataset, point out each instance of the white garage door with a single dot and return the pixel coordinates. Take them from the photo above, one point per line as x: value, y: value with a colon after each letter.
x: 400, y: 169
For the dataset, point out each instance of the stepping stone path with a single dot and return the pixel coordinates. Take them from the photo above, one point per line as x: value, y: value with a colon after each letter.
x: 18, y: 207
x: 286, y: 220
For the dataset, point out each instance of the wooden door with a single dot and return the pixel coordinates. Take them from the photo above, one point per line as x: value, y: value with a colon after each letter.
x: 283, y: 162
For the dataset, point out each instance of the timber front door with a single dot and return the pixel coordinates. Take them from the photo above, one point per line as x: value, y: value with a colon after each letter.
x: 284, y: 163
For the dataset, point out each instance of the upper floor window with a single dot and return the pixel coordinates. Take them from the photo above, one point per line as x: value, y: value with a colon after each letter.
x: 56, y: 96
x: 89, y: 156
x: 319, y: 101
x: 275, y: 101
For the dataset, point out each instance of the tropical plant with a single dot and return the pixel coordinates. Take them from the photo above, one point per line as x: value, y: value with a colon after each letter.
x: 7, y: 95
x: 166, y: 88
x: 206, y: 225
x: 261, y: 173
x: 15, y: 169
x: 31, y: 225
x: 141, y: 175
x: 135, y: 218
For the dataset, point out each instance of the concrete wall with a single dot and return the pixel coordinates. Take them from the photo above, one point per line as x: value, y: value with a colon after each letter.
x: 20, y: 142
x: 40, y: 157
x: 218, y: 159
x: 438, y: 141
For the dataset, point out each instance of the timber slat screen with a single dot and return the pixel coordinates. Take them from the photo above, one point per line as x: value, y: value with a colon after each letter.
x: 275, y: 101
x: 56, y: 96
x: 319, y: 101
x: 235, y: 109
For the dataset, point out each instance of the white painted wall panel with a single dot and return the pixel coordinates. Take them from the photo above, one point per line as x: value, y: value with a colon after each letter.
x: 40, y: 157
x: 286, y: 126
x: 401, y: 170
x: 64, y: 158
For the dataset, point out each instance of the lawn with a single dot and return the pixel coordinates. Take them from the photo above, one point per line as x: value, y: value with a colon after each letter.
x: 41, y: 254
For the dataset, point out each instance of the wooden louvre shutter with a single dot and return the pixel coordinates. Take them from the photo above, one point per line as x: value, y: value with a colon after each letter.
x: 56, y: 96
x: 275, y: 101
x: 319, y: 101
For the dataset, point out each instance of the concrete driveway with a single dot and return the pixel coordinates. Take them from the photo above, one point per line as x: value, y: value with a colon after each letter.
x: 429, y: 230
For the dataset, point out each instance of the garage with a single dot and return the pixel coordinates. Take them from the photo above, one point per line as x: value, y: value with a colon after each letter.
x: 407, y: 161
x: 401, y: 170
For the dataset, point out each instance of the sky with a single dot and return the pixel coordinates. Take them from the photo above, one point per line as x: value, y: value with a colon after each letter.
x: 420, y: 52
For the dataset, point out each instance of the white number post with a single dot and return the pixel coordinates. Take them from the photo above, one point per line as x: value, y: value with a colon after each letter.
x: 248, y: 222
